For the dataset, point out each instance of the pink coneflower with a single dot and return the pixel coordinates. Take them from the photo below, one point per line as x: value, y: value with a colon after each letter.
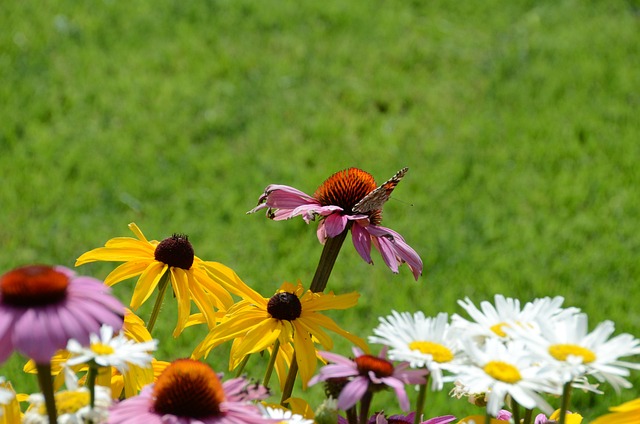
x: 42, y: 307
x: 367, y: 373
x: 190, y: 392
x: 348, y: 198
x: 380, y: 418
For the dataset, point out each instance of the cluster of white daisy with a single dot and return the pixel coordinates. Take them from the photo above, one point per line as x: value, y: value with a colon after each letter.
x: 506, y: 350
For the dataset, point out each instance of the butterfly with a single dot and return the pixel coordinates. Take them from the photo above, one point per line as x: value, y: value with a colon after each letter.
x: 378, y: 197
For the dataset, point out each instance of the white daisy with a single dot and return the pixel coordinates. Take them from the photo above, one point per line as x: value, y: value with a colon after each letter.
x: 421, y: 341
x: 500, y: 369
x: 72, y: 404
x: 107, y: 350
x: 491, y: 321
x: 6, y: 395
x: 567, y: 349
x: 286, y: 417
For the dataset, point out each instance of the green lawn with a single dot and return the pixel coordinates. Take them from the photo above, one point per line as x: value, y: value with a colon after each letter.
x: 518, y: 121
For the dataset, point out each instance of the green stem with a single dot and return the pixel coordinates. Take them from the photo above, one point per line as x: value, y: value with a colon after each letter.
x: 46, y: 386
x: 162, y: 288
x: 272, y: 363
x: 327, y: 260
x: 365, y: 404
x: 515, y: 407
x: 528, y: 416
x: 487, y: 418
x: 422, y: 397
x: 291, y: 379
x: 91, y: 383
x: 242, y: 365
x: 352, y: 415
x: 566, y: 395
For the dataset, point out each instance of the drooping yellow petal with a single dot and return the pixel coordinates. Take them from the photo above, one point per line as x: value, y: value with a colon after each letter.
x: 138, y: 233
x: 259, y: 338
x: 316, y: 332
x: 221, y: 296
x: 305, y: 353
x: 147, y: 283
x: 134, y: 328
x: 10, y: 413
x: 135, y: 378
x: 204, y: 302
x: 127, y: 270
x: 180, y: 283
x: 228, y: 330
x: 127, y: 249
x: 227, y: 278
x: 319, y: 320
x: 330, y: 301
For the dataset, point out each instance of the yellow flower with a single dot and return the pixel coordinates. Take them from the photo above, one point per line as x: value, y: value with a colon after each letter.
x: 627, y: 413
x: 152, y: 259
x: 290, y: 316
x: 10, y: 413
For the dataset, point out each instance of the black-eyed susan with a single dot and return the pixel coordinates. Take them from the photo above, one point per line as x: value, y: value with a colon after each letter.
x: 292, y: 315
x: 174, y: 257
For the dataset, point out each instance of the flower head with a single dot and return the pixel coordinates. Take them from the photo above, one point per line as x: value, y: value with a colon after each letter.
x: 190, y: 392
x: 367, y: 373
x: 109, y: 351
x: 284, y: 416
x: 42, y: 307
x: 628, y: 412
x: 151, y: 260
x: 290, y: 316
x: 380, y: 418
x: 347, y: 199
x: 421, y: 341
x: 498, y: 369
x: 568, y: 351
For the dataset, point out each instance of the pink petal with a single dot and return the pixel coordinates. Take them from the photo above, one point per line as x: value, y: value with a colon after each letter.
x: 352, y: 392
x: 362, y: 242
x: 335, y: 224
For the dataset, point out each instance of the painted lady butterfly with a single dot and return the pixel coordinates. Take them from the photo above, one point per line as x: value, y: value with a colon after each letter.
x: 378, y: 197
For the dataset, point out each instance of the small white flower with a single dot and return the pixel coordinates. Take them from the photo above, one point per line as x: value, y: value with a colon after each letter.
x: 498, y: 369
x: 491, y: 321
x: 421, y: 341
x: 106, y: 350
x: 570, y: 352
x: 286, y: 417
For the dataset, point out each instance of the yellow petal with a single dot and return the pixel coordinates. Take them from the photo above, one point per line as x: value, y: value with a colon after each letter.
x: 147, y: 283
x: 202, y: 279
x: 305, y: 354
x: 330, y: 301
x: 259, y: 338
x: 138, y: 233
x: 179, y: 281
x: 134, y: 328
x: 227, y: 278
x: 319, y: 320
x: 127, y: 270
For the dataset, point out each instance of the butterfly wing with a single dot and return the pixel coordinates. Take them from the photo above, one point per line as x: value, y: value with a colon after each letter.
x: 375, y: 199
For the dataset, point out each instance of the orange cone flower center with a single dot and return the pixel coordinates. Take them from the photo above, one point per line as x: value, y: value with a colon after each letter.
x: 380, y: 367
x: 175, y: 251
x: 284, y: 306
x: 345, y: 189
x: 188, y: 388
x: 33, y: 285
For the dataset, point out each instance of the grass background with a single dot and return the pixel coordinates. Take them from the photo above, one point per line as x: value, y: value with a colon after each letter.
x: 518, y: 121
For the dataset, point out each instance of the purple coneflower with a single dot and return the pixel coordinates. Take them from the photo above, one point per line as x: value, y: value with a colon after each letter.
x: 367, y: 374
x: 190, y: 392
x: 43, y: 307
x: 347, y: 199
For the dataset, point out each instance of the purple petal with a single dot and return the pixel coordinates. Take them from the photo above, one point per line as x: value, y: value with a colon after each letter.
x: 362, y: 242
x: 440, y: 420
x: 398, y: 387
x: 335, y: 224
x: 352, y: 392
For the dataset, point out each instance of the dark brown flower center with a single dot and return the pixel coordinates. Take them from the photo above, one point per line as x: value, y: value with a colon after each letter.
x: 33, y: 285
x: 284, y: 306
x: 380, y: 367
x: 175, y: 251
x: 188, y: 388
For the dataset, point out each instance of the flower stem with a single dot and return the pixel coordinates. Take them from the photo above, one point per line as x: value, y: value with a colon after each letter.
x: 365, y: 404
x: 515, y: 408
x: 487, y: 418
x: 566, y: 395
x: 352, y: 415
x: 528, y: 415
x: 46, y: 386
x: 272, y: 363
x: 162, y: 288
x: 327, y: 260
x: 422, y: 396
x: 243, y: 364
x: 91, y: 383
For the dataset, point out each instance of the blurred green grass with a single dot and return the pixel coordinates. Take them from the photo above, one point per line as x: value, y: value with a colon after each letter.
x: 518, y: 121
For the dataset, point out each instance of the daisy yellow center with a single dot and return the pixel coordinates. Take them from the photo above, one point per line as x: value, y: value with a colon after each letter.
x: 499, y: 329
x: 562, y: 351
x: 188, y: 388
x: 345, y: 189
x: 380, y: 367
x: 67, y: 402
x: 438, y: 352
x: 33, y: 285
x: 284, y: 306
x: 503, y: 371
x: 101, y: 349
x: 175, y: 251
